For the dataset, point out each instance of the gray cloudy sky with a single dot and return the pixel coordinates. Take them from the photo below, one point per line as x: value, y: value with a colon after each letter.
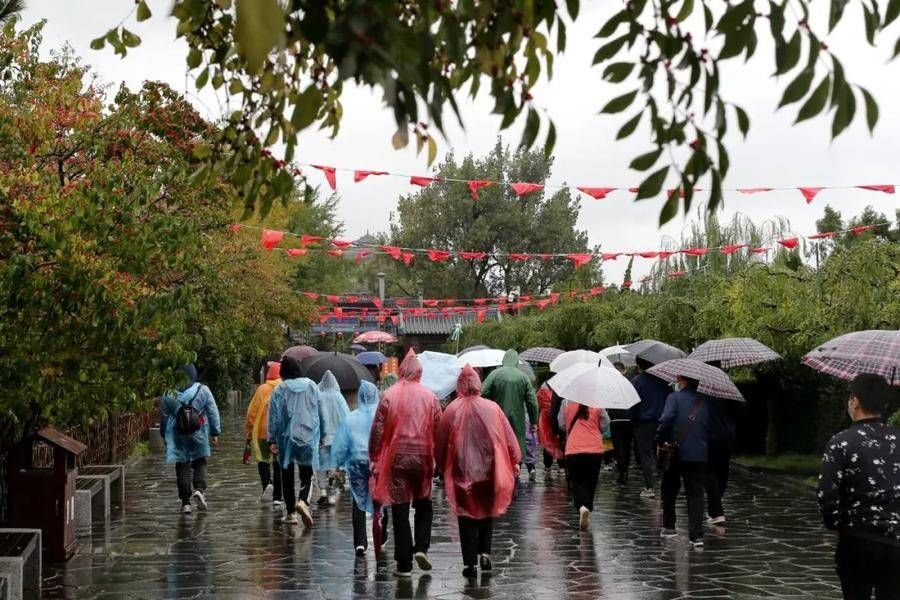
x: 774, y: 155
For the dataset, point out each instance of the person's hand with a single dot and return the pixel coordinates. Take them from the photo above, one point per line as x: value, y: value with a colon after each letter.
x: 214, y: 440
x: 273, y: 448
x: 517, y: 469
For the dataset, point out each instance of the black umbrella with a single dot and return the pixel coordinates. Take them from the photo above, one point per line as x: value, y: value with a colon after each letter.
x: 348, y: 371
x: 654, y: 351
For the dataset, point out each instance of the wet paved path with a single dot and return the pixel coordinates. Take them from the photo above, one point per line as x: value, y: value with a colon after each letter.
x: 773, y: 547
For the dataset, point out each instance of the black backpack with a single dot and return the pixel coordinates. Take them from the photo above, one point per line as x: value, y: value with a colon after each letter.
x: 188, y: 420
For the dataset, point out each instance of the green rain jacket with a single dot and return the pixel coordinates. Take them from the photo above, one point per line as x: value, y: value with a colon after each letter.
x: 509, y: 387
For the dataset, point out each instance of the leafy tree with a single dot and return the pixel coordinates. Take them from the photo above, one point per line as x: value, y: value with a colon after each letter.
x: 287, y: 62
x: 10, y: 10
x: 444, y: 215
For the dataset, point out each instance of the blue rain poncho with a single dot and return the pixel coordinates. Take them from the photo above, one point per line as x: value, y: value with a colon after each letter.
x: 334, y: 409
x: 351, y: 445
x: 186, y: 448
x: 294, y: 418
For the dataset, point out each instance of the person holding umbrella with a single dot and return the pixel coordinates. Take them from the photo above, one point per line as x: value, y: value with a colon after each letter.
x: 645, y: 415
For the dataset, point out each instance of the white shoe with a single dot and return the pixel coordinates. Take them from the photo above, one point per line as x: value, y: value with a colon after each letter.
x: 306, y: 516
x: 423, y: 561
x: 667, y: 533
x: 720, y: 520
x: 332, y: 500
x: 697, y: 544
x: 267, y: 493
x: 290, y: 519
x: 360, y: 551
x: 186, y: 509
x: 277, y: 504
x: 532, y: 475
x: 200, y: 499
x: 403, y: 574
x: 648, y: 493
x: 584, y: 518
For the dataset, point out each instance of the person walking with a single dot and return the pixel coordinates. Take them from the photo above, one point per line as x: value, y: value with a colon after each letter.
x: 584, y: 455
x: 718, y: 465
x: 295, y: 418
x: 258, y: 436
x: 350, y: 451
x: 622, y: 433
x: 685, y: 425
x: 479, y: 455
x: 553, y: 449
x: 334, y: 410
x: 510, y: 388
x: 189, y: 424
x: 859, y: 494
x: 645, y: 420
x: 401, y: 448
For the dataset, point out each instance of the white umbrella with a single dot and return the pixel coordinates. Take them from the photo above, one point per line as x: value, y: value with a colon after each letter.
x: 485, y: 357
x: 439, y: 372
x: 620, y: 354
x: 567, y: 359
x: 600, y: 387
x: 564, y: 377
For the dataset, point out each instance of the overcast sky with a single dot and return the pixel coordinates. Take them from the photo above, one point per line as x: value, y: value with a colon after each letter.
x: 775, y: 154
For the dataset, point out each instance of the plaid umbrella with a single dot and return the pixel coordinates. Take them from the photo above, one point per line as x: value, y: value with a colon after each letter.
x: 713, y: 382
x: 873, y: 351
x: 655, y: 351
x: 734, y: 352
x: 540, y: 354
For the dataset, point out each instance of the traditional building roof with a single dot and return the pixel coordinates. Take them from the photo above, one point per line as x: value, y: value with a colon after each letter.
x: 440, y: 324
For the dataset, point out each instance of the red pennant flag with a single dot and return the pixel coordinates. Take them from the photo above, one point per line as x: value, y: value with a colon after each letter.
x: 270, y: 238
x: 648, y: 254
x: 408, y: 258
x: 696, y: 251
x: 333, y: 299
x: 525, y: 188
x: 360, y: 175
x: 544, y: 257
x: 329, y: 175
x: 579, y: 260
x: 554, y: 297
x: 676, y: 274
x: 665, y: 254
x: 810, y: 192
x: 400, y: 302
x: 324, y: 319
x: 362, y: 254
x: 480, y: 301
x: 887, y: 189
x: 789, y: 243
x: 342, y: 244
x: 760, y: 250
x: 338, y: 312
x: 438, y: 255
x: 352, y: 299
x: 597, y: 193
x: 477, y: 184
x: 542, y: 304
x: 610, y: 255
x: 823, y: 236
x: 234, y: 227
x: 480, y: 314
x: 472, y: 255
x: 861, y: 229
x: 524, y: 298
x: 381, y: 318
x: 420, y: 181
x: 449, y: 302
x: 393, y: 251
x: 518, y: 256
x: 337, y: 252
x: 757, y: 190
x: 307, y: 240
x: 731, y: 249
x: 626, y: 285
x: 395, y: 319
x: 596, y: 291
x: 634, y: 190
x: 311, y: 295
x: 296, y: 252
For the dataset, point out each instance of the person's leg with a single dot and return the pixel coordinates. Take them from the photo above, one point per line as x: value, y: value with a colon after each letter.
x: 531, y: 446
x: 853, y: 559
x: 423, y: 520
x: 183, y: 481
x: 359, y: 526
x: 403, y: 545
x: 621, y: 439
x: 305, y: 474
x: 575, y: 470
x: 694, y: 476
x: 199, y: 469
x: 322, y: 484
x: 287, y: 487
x: 485, y: 535
x: 276, y: 480
x: 468, y: 540
x: 265, y: 474
x: 887, y: 583
x: 548, y: 460
x: 671, y: 483
x: 645, y: 433
x: 592, y: 472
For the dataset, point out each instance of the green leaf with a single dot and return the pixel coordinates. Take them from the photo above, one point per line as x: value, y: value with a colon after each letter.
x: 194, y: 58
x: 816, y: 101
x: 715, y: 193
x: 617, y: 72
x: 202, y: 78
x: 572, y: 7
x: 98, y: 43
x: 532, y: 124
x: 846, y: 109
x: 687, y: 7
x: 432, y: 150
x: 707, y: 17
x: 561, y: 37
x: 651, y: 186
x: 797, y: 88
x: 130, y: 39
x: 259, y: 27
x: 669, y: 209
x: 788, y: 55
x: 619, y: 103
x: 742, y: 119
x: 611, y: 24
x: 724, y: 162
x: 629, y: 127
x: 610, y: 49
x: 896, y: 49
x: 143, y: 11
x: 400, y: 138
x: 307, y: 108
x: 871, y: 20
x: 550, y: 142
x: 871, y: 109
x: 837, y: 10
x: 891, y: 12
x: 645, y: 161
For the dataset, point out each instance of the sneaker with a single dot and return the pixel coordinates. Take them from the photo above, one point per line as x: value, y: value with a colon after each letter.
x: 290, y: 519
x: 186, y: 509
x: 648, y: 493
x: 423, y: 561
x: 470, y: 572
x: 584, y: 518
x: 200, y: 499
x: 486, y: 565
x: 360, y: 551
x: 402, y: 574
x: 332, y: 500
x: 267, y: 493
x: 667, y: 533
x: 306, y: 516
x: 532, y: 475
x: 277, y: 503
x: 720, y: 520
x: 698, y: 543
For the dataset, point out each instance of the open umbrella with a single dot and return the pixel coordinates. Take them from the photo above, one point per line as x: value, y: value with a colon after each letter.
x: 348, y: 371
x: 567, y: 359
x: 374, y: 337
x: 564, y: 377
x: 472, y: 349
x: 540, y: 354
x: 371, y: 358
x: 654, y: 351
x: 619, y: 354
x: 734, y: 352
x: 439, y: 372
x: 713, y: 381
x: 846, y: 356
x: 358, y: 348
x: 599, y: 387
x: 300, y: 352
x: 484, y: 357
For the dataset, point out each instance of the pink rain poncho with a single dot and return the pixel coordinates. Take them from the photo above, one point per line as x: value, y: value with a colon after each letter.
x: 401, y: 446
x: 477, y: 451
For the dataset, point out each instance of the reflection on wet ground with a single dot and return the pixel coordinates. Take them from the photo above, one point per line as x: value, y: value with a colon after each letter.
x: 773, y: 547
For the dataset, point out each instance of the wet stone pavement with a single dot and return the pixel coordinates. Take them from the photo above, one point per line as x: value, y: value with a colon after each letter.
x: 773, y: 546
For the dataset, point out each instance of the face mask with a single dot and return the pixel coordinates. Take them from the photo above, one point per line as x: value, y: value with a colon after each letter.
x: 676, y: 387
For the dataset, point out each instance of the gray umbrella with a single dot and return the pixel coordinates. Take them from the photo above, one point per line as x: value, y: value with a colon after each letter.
x: 713, y: 382
x: 734, y: 352
x: 540, y: 354
x: 846, y: 356
x: 654, y: 351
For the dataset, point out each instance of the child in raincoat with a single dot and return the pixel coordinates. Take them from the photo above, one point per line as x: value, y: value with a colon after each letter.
x: 258, y: 435
x: 334, y: 410
x: 479, y: 455
x: 294, y: 435
x: 351, y: 453
x: 189, y: 451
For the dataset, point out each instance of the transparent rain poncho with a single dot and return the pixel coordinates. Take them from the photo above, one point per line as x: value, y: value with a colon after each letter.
x: 295, y: 416
x: 351, y: 445
x: 334, y: 410
x: 477, y: 451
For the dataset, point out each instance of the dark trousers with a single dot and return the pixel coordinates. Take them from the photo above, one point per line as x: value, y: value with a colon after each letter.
x: 622, y: 438
x: 718, y: 467
x: 359, y: 526
x: 865, y: 566
x: 693, y: 475
x: 305, y: 473
x: 645, y: 438
x: 582, y: 472
x: 404, y: 548
x: 269, y: 475
x: 187, y: 473
x: 475, y: 537
x: 548, y: 461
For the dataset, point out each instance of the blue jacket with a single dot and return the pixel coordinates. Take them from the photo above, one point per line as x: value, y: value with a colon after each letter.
x: 653, y: 392
x: 692, y: 447
x: 334, y: 410
x: 294, y: 418
x: 181, y: 447
x: 351, y: 445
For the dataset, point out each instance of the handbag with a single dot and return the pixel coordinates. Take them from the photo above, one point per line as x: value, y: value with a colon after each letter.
x: 665, y: 452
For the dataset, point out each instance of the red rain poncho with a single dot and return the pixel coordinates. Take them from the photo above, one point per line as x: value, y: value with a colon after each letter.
x: 401, y: 446
x: 546, y: 435
x: 477, y: 451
